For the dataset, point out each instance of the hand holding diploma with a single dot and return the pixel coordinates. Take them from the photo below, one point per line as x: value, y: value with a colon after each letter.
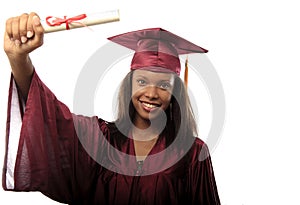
x: 25, y: 33
x: 22, y: 28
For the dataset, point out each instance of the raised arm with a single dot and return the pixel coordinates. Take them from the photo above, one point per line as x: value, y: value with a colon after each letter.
x: 23, y: 34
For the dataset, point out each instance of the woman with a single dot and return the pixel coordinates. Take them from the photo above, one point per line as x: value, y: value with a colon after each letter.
x: 149, y: 155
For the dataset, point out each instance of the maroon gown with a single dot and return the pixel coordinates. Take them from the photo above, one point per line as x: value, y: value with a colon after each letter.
x: 72, y: 159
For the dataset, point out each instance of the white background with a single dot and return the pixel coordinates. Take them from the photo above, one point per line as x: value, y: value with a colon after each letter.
x: 253, y: 45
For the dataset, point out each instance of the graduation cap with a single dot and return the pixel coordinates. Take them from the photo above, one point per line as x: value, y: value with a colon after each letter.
x: 156, y: 49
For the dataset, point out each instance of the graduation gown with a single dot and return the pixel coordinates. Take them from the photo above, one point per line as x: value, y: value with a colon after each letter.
x: 76, y: 159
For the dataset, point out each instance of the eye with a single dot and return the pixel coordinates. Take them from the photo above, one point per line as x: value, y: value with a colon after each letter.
x: 141, y: 82
x: 164, y: 85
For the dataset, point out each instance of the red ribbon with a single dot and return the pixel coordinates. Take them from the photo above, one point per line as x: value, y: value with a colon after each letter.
x: 58, y: 21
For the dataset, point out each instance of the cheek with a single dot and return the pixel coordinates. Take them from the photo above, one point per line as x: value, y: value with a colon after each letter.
x: 135, y: 94
x: 135, y: 91
x: 166, y: 97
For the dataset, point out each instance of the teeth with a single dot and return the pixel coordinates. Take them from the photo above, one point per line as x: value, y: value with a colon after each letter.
x: 149, y: 105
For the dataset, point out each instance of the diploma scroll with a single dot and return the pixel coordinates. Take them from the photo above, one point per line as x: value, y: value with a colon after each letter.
x: 53, y: 24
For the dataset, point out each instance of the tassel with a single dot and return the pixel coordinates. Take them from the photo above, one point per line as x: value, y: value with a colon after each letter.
x: 186, y: 73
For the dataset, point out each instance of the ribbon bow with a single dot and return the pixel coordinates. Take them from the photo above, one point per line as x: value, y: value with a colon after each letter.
x: 58, y: 21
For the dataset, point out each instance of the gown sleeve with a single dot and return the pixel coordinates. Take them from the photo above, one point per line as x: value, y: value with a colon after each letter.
x: 43, y: 152
x: 202, y: 183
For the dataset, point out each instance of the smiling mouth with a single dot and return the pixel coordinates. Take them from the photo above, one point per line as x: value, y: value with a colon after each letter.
x: 149, y: 106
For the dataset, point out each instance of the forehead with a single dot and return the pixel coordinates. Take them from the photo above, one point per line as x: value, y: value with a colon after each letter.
x: 155, y: 76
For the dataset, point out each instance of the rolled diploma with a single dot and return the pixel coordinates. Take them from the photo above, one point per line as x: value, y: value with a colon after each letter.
x: 90, y: 20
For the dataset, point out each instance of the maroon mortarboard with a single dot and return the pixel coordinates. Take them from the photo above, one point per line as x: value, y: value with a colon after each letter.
x: 156, y: 49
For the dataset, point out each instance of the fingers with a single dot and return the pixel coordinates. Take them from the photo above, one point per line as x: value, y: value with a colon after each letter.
x: 8, y: 31
x: 15, y: 27
x: 37, y: 29
x: 12, y: 29
x: 30, y: 30
x: 22, y: 28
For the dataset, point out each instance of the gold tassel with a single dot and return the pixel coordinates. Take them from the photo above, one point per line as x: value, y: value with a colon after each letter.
x: 186, y: 72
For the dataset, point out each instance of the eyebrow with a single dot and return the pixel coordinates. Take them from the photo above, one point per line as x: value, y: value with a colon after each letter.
x: 140, y: 76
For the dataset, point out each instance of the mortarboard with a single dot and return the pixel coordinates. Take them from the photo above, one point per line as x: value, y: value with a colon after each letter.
x: 156, y: 49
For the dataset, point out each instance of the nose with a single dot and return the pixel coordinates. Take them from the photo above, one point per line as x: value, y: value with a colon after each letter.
x: 151, y: 92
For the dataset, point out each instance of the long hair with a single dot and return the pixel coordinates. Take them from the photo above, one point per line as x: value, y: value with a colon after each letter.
x: 180, y: 117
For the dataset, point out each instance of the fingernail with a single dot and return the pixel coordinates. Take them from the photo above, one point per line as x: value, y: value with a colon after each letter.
x: 36, y: 20
x: 29, y: 34
x: 23, y: 39
x: 17, y: 42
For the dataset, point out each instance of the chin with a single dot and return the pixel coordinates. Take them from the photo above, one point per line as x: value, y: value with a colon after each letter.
x: 156, y: 116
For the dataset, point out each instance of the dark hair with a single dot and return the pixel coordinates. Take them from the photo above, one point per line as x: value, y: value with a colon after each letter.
x: 180, y: 116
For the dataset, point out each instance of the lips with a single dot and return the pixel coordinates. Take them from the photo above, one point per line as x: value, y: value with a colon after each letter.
x: 149, y: 106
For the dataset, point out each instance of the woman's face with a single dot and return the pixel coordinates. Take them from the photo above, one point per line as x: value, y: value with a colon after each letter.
x: 151, y: 93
